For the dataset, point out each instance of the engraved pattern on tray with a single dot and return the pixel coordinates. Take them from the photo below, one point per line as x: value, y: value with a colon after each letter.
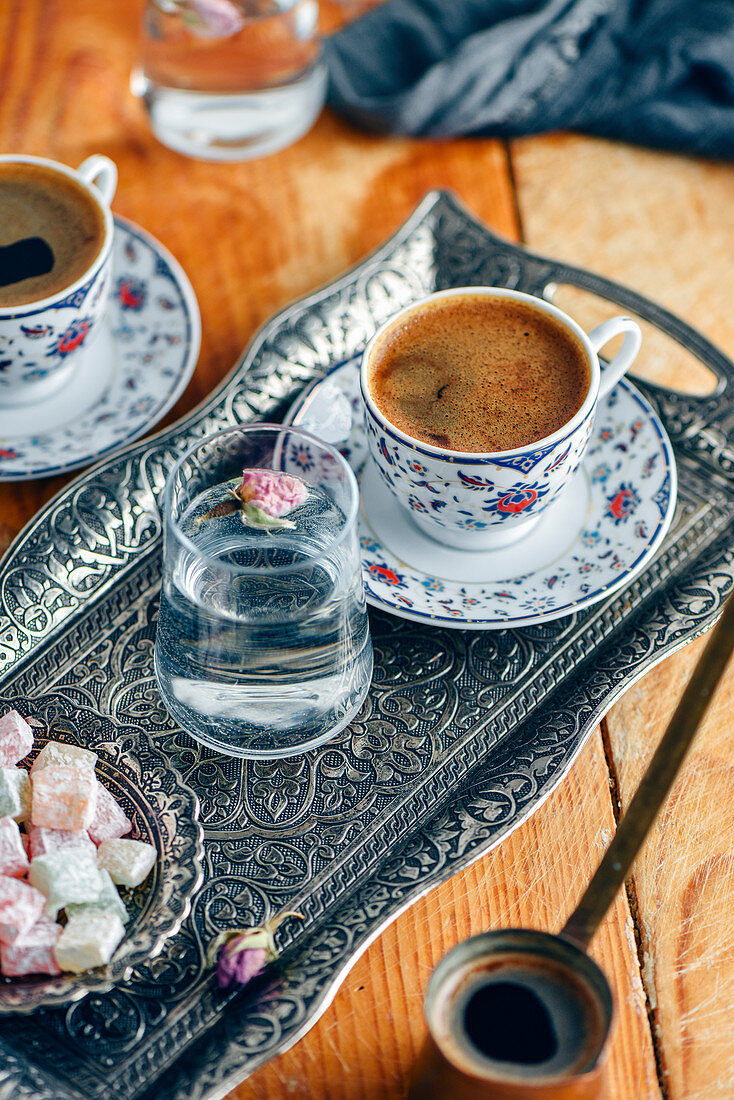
x: 441, y: 762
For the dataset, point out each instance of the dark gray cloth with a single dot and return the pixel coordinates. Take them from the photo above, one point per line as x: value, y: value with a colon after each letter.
x: 654, y: 72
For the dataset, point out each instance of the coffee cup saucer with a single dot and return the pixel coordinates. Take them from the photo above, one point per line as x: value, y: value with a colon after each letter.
x: 133, y: 373
x: 605, y: 527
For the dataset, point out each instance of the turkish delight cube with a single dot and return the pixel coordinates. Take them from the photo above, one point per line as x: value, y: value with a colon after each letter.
x: 110, y: 821
x: 108, y: 900
x: 16, y: 739
x: 32, y: 952
x: 13, y: 859
x: 89, y: 939
x: 20, y: 907
x: 63, y: 797
x: 68, y: 875
x: 72, y: 756
x: 51, y: 840
x: 128, y: 861
x: 15, y: 793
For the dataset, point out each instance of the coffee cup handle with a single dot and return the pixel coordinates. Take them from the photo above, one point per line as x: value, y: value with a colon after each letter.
x: 622, y: 361
x: 102, y: 173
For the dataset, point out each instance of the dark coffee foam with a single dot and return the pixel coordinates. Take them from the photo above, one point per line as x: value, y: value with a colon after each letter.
x: 479, y: 374
x: 39, y: 202
x: 529, y: 1015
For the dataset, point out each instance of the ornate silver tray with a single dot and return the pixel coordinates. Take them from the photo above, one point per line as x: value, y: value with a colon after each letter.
x: 462, y: 736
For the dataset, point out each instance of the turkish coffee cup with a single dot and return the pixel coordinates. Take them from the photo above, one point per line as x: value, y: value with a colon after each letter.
x: 484, y: 500
x: 56, y: 237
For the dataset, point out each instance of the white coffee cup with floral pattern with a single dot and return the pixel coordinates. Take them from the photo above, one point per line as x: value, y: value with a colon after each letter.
x: 478, y: 501
x: 43, y: 340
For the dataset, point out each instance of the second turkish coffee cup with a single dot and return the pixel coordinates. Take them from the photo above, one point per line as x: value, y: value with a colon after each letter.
x: 488, y: 498
x: 56, y: 236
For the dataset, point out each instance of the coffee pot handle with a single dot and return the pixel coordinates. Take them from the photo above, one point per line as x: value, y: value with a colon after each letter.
x: 612, y: 372
x: 102, y: 173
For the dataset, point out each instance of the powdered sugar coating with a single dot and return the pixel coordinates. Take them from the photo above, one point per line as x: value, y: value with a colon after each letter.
x: 72, y: 756
x: 15, y: 793
x: 110, y: 821
x: 16, y: 739
x: 13, y: 858
x: 32, y: 952
x: 44, y: 840
x: 64, y: 797
x: 129, y: 862
x: 20, y: 907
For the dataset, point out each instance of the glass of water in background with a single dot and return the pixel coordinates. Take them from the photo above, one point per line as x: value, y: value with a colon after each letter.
x: 230, y: 79
x: 263, y: 645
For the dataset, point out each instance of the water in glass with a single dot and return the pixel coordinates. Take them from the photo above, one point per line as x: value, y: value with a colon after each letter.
x: 230, y: 79
x: 273, y: 655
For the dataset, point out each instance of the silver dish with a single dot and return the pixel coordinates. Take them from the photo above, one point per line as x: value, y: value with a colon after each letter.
x: 462, y: 737
x: 164, y: 813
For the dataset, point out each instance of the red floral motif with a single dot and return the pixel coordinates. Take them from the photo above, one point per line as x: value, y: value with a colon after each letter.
x: 382, y: 573
x: 622, y: 503
x: 70, y: 340
x: 517, y: 502
x: 131, y: 293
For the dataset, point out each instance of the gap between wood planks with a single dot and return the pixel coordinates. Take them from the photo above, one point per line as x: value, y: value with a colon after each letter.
x: 615, y: 796
x: 614, y: 789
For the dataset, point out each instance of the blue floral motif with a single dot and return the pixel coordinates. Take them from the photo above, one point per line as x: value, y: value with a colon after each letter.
x: 649, y: 466
x: 425, y: 485
x: 471, y: 481
x: 301, y: 457
x: 36, y: 332
x: 557, y: 461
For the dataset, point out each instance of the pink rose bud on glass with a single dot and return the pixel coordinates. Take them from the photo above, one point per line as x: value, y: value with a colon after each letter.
x: 267, y: 496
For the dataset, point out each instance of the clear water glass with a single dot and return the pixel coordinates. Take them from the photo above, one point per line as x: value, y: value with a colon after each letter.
x: 263, y: 647
x: 230, y: 79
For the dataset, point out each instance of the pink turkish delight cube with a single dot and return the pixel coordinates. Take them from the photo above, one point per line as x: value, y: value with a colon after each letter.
x: 63, y: 797
x: 110, y: 821
x: 32, y: 952
x: 13, y: 858
x: 20, y: 907
x: 50, y: 840
x: 16, y: 739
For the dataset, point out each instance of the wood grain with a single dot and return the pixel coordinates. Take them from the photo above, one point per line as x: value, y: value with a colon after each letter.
x: 364, y: 1046
x: 665, y: 225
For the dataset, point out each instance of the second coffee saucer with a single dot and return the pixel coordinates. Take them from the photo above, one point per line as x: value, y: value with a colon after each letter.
x: 128, y: 379
x: 602, y: 531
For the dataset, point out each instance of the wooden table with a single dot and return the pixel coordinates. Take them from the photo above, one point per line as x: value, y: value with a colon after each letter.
x: 254, y: 236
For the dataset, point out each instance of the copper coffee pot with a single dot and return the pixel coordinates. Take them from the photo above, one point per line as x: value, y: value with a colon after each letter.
x: 525, y: 1015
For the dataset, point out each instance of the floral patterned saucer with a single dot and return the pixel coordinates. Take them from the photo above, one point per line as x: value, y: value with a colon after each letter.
x: 132, y: 375
x: 601, y: 532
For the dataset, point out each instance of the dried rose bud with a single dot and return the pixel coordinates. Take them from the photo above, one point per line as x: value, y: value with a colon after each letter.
x: 267, y: 496
x: 212, y: 18
x: 242, y: 954
x: 238, y: 963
